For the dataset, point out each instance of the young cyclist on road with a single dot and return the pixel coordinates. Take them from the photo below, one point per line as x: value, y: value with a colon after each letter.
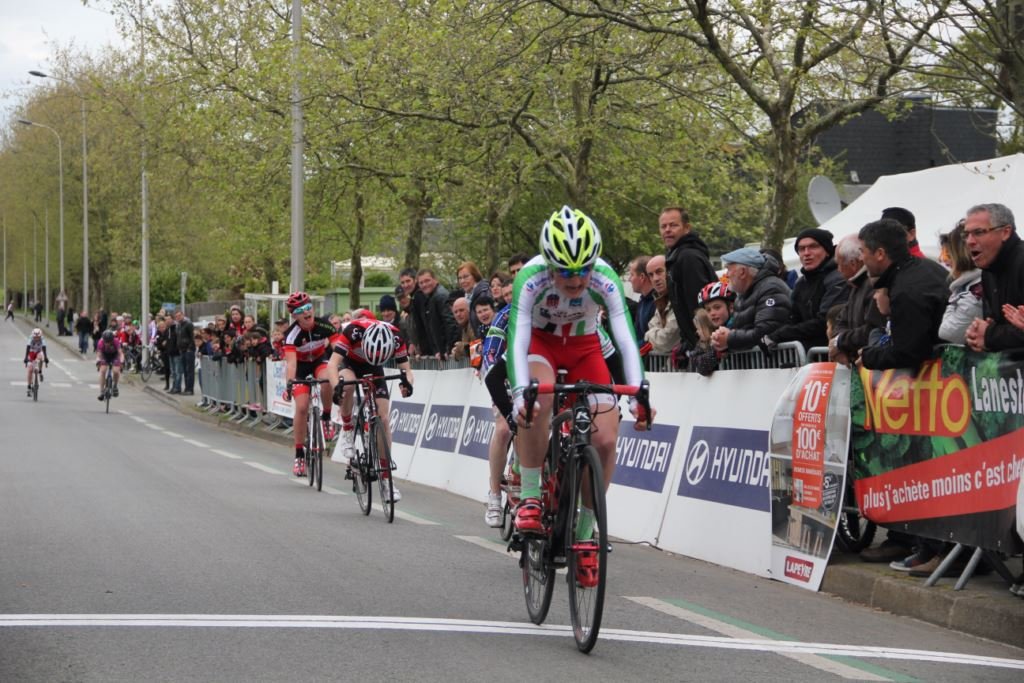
x: 36, y: 346
x: 553, y: 324
x: 307, y: 346
x: 109, y: 353
x: 364, y: 345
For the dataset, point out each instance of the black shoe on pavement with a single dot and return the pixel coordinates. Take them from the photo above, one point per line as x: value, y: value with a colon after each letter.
x: 115, y: 393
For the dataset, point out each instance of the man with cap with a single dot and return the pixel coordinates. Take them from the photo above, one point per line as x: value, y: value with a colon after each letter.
x: 905, y: 218
x: 763, y: 303
x: 820, y: 287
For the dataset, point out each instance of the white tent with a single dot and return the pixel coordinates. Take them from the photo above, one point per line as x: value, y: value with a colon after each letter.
x: 938, y: 198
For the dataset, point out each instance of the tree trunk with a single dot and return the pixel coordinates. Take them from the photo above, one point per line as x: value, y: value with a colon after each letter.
x: 784, y: 185
x: 418, y: 207
x: 1013, y: 54
x: 356, y: 276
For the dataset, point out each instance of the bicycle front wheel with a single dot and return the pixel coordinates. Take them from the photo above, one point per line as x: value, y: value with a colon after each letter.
x: 360, y: 467
x: 318, y: 454
x: 588, y: 557
x: 147, y: 370
x: 35, y: 385
x: 108, y: 392
x: 384, y: 471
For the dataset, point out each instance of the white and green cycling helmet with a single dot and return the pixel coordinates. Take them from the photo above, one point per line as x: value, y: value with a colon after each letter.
x: 570, y: 241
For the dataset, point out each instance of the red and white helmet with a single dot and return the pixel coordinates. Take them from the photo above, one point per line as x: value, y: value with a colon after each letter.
x: 297, y: 299
x: 715, y: 290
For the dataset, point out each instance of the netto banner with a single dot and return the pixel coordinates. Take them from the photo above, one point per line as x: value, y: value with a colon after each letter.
x: 939, y: 453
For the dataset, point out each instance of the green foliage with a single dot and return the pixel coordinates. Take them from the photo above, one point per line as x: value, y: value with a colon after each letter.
x: 378, y: 280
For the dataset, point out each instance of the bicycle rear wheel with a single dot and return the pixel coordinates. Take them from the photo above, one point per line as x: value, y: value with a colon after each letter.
x: 507, y: 518
x: 384, y: 471
x: 538, y: 577
x: 147, y: 370
x: 318, y: 454
x: 309, y: 452
x: 587, y: 587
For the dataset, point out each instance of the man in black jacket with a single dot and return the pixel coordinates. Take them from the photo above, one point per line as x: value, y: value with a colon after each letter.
x: 997, y: 249
x: 440, y: 332
x: 688, y: 266
x: 820, y: 288
x: 916, y: 289
x: 187, y: 349
x: 860, y: 314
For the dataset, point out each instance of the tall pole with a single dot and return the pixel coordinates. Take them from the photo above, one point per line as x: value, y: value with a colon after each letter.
x: 144, y: 318
x: 46, y: 262
x: 298, y: 237
x: 35, y: 260
x: 7, y: 295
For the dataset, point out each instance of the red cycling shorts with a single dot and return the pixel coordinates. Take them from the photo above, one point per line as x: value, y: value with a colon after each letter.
x: 302, y: 370
x: 580, y: 356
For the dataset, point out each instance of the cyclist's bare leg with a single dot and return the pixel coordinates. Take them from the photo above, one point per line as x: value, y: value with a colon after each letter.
x: 300, y: 418
x: 533, y: 439
x: 384, y: 412
x: 117, y: 374
x: 497, y: 451
x: 347, y: 375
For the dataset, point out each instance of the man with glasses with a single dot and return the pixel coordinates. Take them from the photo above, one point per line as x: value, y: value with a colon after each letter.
x: 996, y: 248
x: 307, y: 348
x: 554, y: 317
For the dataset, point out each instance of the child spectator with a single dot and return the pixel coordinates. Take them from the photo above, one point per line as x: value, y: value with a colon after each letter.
x: 716, y: 306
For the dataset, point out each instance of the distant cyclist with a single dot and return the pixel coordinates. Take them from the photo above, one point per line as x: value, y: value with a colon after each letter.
x: 362, y: 349
x: 36, y: 347
x: 109, y: 354
x: 556, y: 304
x: 307, y: 346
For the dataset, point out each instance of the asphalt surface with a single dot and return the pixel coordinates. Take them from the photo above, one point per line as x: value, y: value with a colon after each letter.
x: 149, y: 545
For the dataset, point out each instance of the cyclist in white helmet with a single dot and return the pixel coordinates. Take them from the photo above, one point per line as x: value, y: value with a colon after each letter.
x: 36, y: 346
x: 361, y: 350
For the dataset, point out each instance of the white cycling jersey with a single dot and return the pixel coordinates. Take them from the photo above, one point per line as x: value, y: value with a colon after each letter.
x: 537, y: 304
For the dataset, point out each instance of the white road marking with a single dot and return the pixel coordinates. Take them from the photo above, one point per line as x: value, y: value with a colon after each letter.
x: 335, y: 492
x: 409, y: 517
x: 176, y: 435
x: 156, y: 428
x: 499, y: 548
x: 61, y: 385
x: 495, y: 627
x: 138, y: 419
x: 200, y: 444
x: 733, y: 631
x: 263, y: 468
x: 124, y: 412
x: 225, y: 454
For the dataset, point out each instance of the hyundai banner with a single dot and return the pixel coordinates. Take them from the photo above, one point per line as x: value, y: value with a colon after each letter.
x: 728, y: 466
x: 643, y: 459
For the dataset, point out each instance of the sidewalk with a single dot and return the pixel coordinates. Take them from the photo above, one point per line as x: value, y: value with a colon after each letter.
x: 984, y: 608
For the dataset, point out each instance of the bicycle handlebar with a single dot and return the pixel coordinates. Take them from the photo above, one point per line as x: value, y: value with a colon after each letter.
x: 308, y: 382
x: 642, y: 394
x: 370, y: 378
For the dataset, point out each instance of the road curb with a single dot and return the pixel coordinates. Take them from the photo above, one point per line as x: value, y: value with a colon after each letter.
x: 986, y: 614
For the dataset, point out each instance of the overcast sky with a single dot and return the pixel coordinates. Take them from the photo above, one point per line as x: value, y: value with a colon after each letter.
x: 28, y: 30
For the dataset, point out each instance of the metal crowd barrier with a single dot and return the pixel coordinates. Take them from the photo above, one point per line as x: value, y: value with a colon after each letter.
x: 785, y: 355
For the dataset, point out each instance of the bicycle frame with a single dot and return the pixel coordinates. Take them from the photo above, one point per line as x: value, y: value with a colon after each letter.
x: 313, y: 448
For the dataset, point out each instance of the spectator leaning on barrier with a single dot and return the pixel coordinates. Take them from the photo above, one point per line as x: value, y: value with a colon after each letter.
x: 996, y: 248
x: 440, y: 332
x: 460, y: 312
x: 688, y: 267
x: 641, y: 284
x: 762, y: 304
x: 416, y: 307
x: 965, y: 289
x: 852, y: 328
x: 905, y: 218
x: 820, y: 287
x: 662, y: 329
x: 716, y: 301
x: 917, y: 293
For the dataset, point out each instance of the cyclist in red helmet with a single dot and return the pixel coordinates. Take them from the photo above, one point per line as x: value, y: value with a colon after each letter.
x: 307, y: 348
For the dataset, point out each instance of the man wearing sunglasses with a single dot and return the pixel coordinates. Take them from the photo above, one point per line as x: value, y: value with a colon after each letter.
x: 554, y: 317
x: 307, y: 348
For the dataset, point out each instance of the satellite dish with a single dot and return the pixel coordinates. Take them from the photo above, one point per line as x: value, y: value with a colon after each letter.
x: 823, y: 197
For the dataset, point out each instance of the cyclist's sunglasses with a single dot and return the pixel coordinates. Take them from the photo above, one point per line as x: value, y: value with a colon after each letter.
x: 304, y: 308
x: 574, y: 272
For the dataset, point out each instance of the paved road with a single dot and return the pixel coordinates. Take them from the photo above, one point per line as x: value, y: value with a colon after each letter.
x: 144, y: 545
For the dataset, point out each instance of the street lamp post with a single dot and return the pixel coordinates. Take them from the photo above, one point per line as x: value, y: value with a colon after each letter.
x: 60, y: 163
x: 85, y: 193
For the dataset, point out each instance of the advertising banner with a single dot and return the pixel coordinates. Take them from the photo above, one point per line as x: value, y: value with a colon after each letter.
x: 277, y: 384
x: 939, y: 453
x: 809, y: 444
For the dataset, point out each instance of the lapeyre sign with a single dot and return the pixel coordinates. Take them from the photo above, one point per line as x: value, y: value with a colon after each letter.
x: 940, y: 452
